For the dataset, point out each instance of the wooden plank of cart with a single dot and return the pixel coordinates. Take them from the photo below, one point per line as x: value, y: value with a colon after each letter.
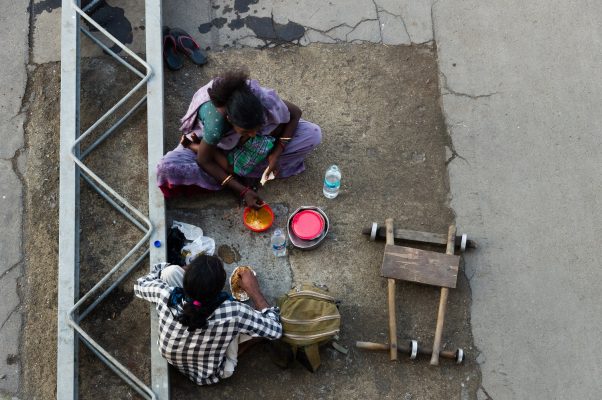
x: 425, y: 267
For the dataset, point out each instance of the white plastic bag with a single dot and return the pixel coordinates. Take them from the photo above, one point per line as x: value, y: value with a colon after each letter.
x: 199, y: 244
x: 191, y: 232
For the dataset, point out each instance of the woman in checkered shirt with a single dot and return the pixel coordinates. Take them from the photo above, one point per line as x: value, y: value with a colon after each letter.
x: 201, y: 326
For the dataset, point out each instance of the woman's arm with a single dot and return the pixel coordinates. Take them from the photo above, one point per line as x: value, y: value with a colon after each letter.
x: 151, y: 287
x: 209, y: 159
x: 284, y: 134
x: 288, y: 129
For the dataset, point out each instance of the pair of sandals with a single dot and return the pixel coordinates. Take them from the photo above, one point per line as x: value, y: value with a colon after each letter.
x: 177, y: 40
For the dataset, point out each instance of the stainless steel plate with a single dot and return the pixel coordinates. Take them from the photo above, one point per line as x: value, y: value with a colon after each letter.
x: 307, y: 244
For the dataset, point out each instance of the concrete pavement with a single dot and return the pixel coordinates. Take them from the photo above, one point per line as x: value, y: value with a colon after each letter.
x: 14, y: 29
x: 522, y: 88
x: 521, y: 92
x: 222, y: 24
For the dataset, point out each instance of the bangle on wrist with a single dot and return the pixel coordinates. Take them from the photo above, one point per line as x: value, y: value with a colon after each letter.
x: 226, y: 180
x: 244, y: 191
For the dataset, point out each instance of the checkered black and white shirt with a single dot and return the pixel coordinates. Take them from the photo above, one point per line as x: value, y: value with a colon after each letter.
x: 201, y: 354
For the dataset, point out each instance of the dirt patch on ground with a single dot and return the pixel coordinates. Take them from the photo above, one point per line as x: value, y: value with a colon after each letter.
x: 41, y: 227
x: 379, y: 112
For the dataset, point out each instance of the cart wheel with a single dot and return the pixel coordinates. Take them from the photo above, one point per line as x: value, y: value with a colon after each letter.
x: 463, y: 243
x: 459, y: 356
x: 414, y: 349
x: 373, y: 231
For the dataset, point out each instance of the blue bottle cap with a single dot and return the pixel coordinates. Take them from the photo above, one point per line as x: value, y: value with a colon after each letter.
x: 157, y: 243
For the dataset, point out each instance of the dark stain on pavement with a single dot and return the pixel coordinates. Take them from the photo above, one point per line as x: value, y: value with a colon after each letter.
x: 114, y: 21
x: 228, y: 254
x: 45, y: 5
x: 236, y: 23
x: 242, y: 6
x: 217, y: 22
x: 12, y: 359
x: 264, y: 28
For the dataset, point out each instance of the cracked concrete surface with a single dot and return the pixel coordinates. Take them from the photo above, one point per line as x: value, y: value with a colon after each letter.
x: 522, y: 90
x: 14, y: 24
x: 221, y: 24
x: 218, y: 25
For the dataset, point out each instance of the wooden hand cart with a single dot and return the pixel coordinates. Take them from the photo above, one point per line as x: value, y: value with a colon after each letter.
x: 425, y: 267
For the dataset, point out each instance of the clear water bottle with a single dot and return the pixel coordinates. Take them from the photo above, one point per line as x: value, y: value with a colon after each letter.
x: 332, y: 182
x: 279, y: 243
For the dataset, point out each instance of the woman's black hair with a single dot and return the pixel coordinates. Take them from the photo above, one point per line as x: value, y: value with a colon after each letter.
x: 231, y: 91
x: 203, y: 283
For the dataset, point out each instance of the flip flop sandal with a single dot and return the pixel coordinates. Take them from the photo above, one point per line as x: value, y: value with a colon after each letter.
x: 170, y: 52
x: 188, y: 46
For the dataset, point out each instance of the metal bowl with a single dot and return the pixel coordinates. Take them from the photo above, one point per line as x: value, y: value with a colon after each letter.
x: 307, y: 244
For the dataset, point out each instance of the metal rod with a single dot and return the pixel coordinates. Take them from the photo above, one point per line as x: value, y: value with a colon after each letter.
x: 116, y: 56
x: 113, y: 286
x: 109, y: 360
x: 68, y: 258
x: 89, y: 6
x: 109, y: 131
x: 156, y: 202
x: 116, y: 370
x: 114, y: 203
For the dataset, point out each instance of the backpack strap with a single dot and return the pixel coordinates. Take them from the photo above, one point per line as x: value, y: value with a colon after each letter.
x: 312, y: 352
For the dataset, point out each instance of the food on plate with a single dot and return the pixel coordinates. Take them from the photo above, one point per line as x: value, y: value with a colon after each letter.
x: 237, y: 292
x: 258, y: 219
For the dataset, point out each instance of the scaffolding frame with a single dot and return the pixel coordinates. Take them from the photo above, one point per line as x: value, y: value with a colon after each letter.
x: 72, y: 168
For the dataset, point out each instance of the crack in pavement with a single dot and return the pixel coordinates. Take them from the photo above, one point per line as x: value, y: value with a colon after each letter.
x: 454, y: 156
x: 344, y: 24
x: 10, y: 314
x: 15, y: 265
x: 405, y: 27
x: 452, y: 148
x: 326, y: 33
x: 460, y: 94
x: 356, y: 26
x: 403, y: 21
x: 380, y: 24
x: 486, y: 394
x: 433, y: 20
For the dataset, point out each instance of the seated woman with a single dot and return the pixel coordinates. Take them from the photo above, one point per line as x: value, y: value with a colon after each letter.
x: 236, y: 129
x: 200, y: 327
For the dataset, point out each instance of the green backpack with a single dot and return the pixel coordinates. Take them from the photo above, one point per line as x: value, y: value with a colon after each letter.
x: 310, y: 318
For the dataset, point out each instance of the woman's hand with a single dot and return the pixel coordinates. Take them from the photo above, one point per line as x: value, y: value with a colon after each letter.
x: 252, y: 199
x: 184, y: 141
x: 190, y: 144
x: 248, y: 281
x: 273, y: 158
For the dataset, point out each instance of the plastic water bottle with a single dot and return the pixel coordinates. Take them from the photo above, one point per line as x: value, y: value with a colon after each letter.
x: 279, y: 243
x: 332, y: 182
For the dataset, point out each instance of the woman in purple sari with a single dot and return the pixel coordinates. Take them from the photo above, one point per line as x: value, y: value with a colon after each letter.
x: 234, y: 132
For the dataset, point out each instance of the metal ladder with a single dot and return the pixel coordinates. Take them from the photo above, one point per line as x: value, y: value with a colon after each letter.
x: 72, y: 167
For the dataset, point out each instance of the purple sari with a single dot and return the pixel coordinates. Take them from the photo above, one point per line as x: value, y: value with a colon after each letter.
x: 178, y: 171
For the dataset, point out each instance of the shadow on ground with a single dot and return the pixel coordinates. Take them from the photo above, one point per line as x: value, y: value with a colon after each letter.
x: 379, y: 111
